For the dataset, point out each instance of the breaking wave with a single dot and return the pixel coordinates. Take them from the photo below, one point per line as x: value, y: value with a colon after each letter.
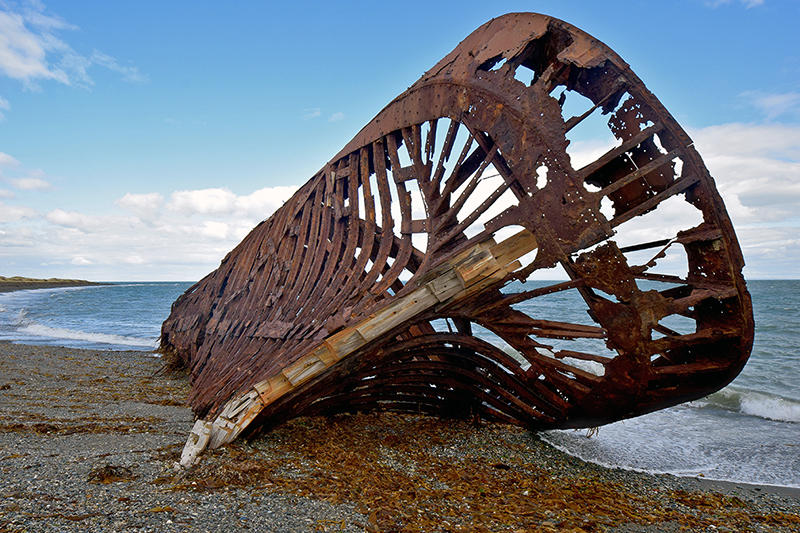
x: 754, y: 403
x: 39, y: 330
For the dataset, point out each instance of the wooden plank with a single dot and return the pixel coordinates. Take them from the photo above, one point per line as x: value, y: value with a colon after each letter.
x: 445, y: 286
x: 273, y: 388
x: 514, y: 247
x: 397, y: 313
x: 324, y: 354
x: 477, y: 268
x: 476, y: 265
x: 344, y: 342
x: 303, y: 370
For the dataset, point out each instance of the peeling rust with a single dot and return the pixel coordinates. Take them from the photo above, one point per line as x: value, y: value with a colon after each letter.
x: 366, y: 290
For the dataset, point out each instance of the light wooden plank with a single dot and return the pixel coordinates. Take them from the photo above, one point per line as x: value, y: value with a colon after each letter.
x: 273, y: 388
x: 344, y: 342
x: 445, y: 286
x: 303, y: 370
x: 397, y: 313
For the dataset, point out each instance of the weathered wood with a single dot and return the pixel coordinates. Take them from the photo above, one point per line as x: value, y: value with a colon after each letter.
x: 473, y: 265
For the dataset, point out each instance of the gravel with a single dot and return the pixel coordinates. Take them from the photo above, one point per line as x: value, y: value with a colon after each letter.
x: 88, y: 442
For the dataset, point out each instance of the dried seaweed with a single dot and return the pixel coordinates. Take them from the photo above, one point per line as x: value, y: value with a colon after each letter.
x: 419, y: 474
x: 110, y: 474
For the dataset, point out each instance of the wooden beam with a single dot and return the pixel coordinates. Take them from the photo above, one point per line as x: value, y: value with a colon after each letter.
x: 485, y: 263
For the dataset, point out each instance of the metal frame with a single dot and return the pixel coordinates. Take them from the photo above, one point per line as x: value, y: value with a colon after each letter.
x: 368, y: 288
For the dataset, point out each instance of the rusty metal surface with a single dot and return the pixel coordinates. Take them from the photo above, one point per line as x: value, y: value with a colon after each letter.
x: 475, y: 151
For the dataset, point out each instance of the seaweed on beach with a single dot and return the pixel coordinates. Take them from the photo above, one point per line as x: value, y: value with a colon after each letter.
x: 417, y: 473
x: 110, y: 474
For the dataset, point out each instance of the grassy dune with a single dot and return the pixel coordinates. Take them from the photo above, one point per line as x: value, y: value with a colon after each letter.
x: 19, y: 283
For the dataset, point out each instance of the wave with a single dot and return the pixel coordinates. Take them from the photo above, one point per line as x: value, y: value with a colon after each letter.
x: 754, y: 403
x: 689, y: 441
x: 39, y: 330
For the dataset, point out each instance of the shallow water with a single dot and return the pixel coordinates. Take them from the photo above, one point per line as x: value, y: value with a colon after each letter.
x: 120, y: 316
x: 748, y: 432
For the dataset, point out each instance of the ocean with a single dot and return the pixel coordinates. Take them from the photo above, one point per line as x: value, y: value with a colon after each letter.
x: 748, y: 433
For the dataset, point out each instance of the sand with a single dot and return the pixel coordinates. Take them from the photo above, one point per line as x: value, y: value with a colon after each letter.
x: 89, y: 440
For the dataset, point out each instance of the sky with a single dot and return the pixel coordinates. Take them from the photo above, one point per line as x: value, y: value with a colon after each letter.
x: 143, y: 140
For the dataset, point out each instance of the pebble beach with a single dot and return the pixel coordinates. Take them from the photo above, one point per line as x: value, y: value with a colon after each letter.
x: 89, y: 441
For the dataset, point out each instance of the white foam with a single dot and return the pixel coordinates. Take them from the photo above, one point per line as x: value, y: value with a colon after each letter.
x: 755, y: 403
x: 686, y: 441
x: 770, y: 407
x: 40, y: 330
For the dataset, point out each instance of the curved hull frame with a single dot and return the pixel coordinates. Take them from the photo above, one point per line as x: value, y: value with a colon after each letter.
x: 387, y: 281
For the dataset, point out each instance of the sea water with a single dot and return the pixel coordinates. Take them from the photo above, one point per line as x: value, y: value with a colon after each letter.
x: 748, y: 432
x: 117, y: 316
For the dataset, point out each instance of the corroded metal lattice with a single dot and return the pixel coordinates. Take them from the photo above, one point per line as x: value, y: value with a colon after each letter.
x: 388, y: 280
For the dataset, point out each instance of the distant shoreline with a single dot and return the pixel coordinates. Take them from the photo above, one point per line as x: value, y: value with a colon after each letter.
x: 18, y: 283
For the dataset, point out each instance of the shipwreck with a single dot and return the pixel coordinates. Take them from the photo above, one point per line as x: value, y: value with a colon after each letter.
x: 390, y: 280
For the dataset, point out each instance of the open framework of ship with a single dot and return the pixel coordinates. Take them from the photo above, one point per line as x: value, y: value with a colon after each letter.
x: 385, y: 281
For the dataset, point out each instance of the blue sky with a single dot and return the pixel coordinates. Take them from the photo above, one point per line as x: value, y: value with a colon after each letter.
x: 143, y: 140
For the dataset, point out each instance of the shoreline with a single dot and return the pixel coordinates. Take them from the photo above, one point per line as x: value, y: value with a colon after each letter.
x: 88, y: 439
x: 20, y: 284
x: 732, y: 487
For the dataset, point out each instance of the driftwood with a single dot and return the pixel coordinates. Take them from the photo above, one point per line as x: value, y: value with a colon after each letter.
x: 378, y: 285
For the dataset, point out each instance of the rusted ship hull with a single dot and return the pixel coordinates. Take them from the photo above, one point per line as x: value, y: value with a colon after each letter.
x: 369, y: 287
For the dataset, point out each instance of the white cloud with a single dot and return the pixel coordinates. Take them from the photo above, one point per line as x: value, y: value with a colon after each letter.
x: 130, y: 74
x: 146, y: 206
x: 756, y: 168
x: 221, y: 202
x: 14, y: 213
x: 772, y: 141
x: 214, y: 229
x: 152, y: 237
x: 5, y: 193
x: 75, y: 220
x: 7, y: 160
x: 312, y: 113
x: 134, y: 259
x: 757, y: 171
x: 29, y: 180
x: 263, y: 202
x: 774, y: 105
x: 747, y: 3
x: 30, y: 184
x: 22, y: 51
x: 4, y: 105
x: 31, y: 51
x: 336, y: 117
